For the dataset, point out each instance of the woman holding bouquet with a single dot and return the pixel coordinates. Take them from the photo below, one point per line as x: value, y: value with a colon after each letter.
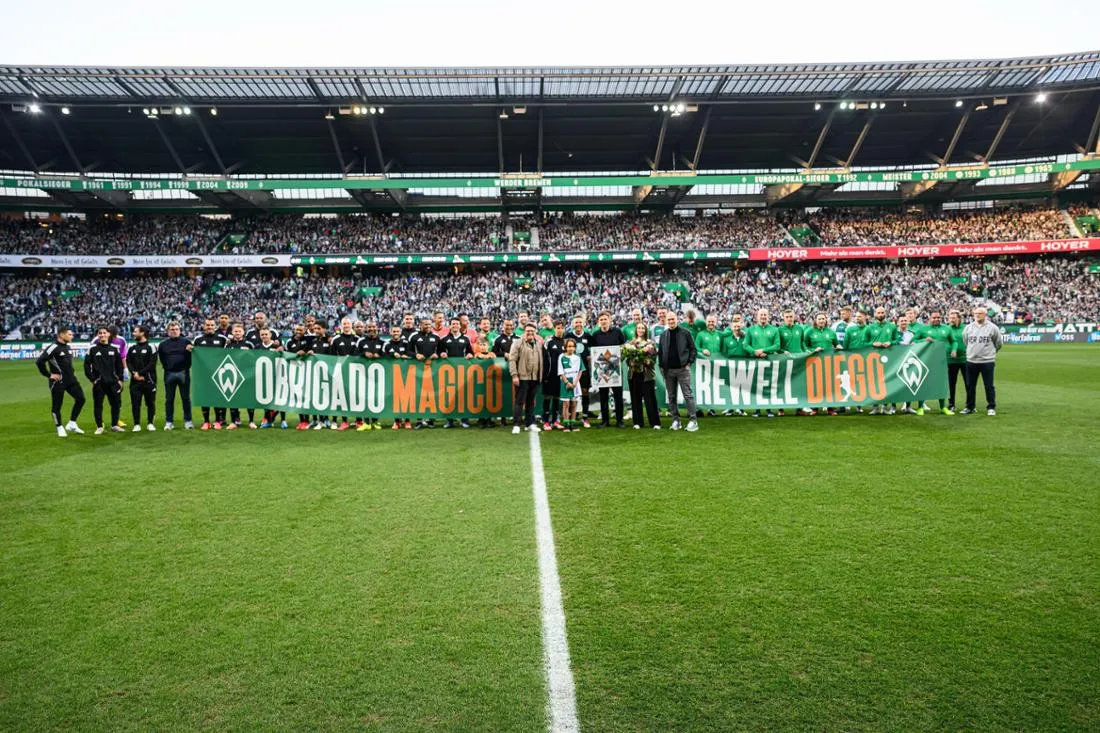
x: 641, y: 358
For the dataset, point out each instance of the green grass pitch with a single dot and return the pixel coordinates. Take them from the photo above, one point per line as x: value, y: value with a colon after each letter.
x: 847, y: 573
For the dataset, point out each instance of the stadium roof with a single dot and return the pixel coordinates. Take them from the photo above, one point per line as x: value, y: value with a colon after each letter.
x: 577, y: 120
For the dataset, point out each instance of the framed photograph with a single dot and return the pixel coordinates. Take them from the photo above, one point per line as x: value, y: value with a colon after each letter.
x: 606, y: 363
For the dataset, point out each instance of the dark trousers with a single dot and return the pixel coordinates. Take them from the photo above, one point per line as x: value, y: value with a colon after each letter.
x: 172, y: 382
x: 219, y: 414
x: 524, y: 408
x: 551, y: 404
x: 586, y: 400
x: 985, y: 371
x: 57, y: 396
x: 605, y: 395
x: 145, y: 390
x: 954, y: 371
x: 113, y: 393
x: 643, y: 393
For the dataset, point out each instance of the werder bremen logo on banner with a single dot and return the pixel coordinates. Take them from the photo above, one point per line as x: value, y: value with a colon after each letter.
x: 912, y: 372
x: 228, y: 378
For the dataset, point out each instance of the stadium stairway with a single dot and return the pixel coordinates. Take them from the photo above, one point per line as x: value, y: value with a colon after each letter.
x: 1071, y: 224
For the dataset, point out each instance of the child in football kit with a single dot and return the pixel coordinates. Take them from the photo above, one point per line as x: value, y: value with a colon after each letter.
x: 570, y: 368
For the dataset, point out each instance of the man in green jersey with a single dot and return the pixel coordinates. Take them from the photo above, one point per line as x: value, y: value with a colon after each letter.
x: 956, y: 354
x: 937, y: 330
x: 855, y: 334
x: 546, y: 328
x: 761, y: 341
x: 881, y: 334
x: 692, y: 322
x: 791, y: 334
x: 733, y: 347
x: 920, y: 331
x: 820, y: 337
x: 661, y: 325
x: 708, y: 343
x: 485, y: 331
x: 842, y: 325
x: 630, y: 328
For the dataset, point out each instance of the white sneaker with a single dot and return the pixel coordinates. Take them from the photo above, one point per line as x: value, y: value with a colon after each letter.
x: 99, y: 431
x: 693, y: 425
x: 153, y: 428
x: 637, y: 427
x: 189, y: 425
x: 675, y: 425
x: 72, y: 427
x: 892, y: 411
x: 656, y: 427
x: 909, y: 411
x: 169, y: 426
x: 135, y: 429
x: 318, y: 426
x: 991, y: 412
x: 251, y: 426
x: 516, y: 430
x: 117, y: 429
x: 61, y: 432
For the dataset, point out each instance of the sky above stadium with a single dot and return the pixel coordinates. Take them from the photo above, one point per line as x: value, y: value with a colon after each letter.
x: 558, y: 33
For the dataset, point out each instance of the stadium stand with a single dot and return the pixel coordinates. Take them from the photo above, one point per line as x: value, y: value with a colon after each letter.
x: 1038, y: 289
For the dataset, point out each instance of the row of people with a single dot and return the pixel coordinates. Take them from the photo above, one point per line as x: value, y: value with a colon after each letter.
x: 351, y: 233
x: 549, y: 355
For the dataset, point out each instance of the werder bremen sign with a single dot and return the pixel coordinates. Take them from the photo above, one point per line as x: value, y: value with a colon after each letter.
x: 457, y: 388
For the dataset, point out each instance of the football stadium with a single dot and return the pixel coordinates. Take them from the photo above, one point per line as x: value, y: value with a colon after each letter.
x: 670, y: 398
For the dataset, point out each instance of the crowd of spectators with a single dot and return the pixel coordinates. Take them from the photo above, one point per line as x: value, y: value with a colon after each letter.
x: 1037, y: 289
x: 876, y: 227
x: 357, y: 233
x: 138, y: 235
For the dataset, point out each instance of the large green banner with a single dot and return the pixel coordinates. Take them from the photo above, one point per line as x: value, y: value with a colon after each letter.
x: 472, y: 388
x: 350, y: 385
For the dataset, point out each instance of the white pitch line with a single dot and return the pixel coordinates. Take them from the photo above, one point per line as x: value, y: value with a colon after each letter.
x: 562, y: 696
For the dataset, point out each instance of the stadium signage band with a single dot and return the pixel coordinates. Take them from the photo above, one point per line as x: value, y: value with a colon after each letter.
x: 143, y: 261
x: 925, y: 250
x: 655, y: 179
x: 352, y: 386
x: 521, y: 257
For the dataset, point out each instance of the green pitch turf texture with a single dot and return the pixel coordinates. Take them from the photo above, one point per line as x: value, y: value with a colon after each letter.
x: 847, y: 573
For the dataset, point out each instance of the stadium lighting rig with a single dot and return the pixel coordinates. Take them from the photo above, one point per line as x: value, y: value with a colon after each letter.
x: 1041, y: 97
x: 675, y: 109
x: 362, y: 110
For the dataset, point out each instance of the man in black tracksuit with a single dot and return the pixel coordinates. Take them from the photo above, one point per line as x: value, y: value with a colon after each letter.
x: 237, y: 341
x: 397, y: 348
x: 103, y: 368
x: 345, y: 343
x: 503, y: 343
x: 551, y: 382
x: 371, y: 347
x: 141, y: 360
x: 583, y: 340
x: 56, y: 364
x: 456, y: 345
x: 424, y: 346
x: 300, y: 344
x: 608, y: 335
x: 211, y: 339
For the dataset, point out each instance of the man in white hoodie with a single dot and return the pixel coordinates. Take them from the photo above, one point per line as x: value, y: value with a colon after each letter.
x: 983, y: 341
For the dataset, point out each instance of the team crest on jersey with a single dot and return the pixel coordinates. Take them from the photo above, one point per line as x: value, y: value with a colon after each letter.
x: 228, y: 378
x: 912, y: 372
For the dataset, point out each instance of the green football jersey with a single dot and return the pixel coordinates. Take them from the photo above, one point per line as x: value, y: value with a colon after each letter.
x: 791, y: 338
x: 881, y: 331
x: 820, y: 338
x: 733, y: 347
x: 855, y: 336
x: 762, y: 338
x: 709, y: 341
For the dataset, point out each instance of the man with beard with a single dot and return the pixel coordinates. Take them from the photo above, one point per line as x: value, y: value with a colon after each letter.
x: 141, y: 360
x: 345, y: 343
x: 424, y: 347
x: 300, y: 344
x: 397, y: 348
x: 211, y: 339
x: 371, y: 346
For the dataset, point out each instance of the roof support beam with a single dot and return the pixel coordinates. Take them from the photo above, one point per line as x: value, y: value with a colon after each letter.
x: 382, y: 167
x: 1093, y: 142
x: 68, y: 146
x: 500, y: 145
x: 656, y: 162
x: 859, y: 140
x: 955, y: 138
x: 1051, y: 106
x: 702, y: 137
x: 210, y: 146
x: 1009, y: 114
x: 19, y: 142
x: 821, y: 139
x: 538, y: 163
x: 171, y: 148
x: 336, y: 147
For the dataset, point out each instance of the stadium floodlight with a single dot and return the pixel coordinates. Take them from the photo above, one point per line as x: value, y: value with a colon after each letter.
x: 1041, y: 97
x: 503, y: 115
x: 817, y: 106
x: 374, y: 110
x: 34, y: 108
x: 656, y: 108
x: 154, y: 112
x: 882, y: 105
x: 329, y: 115
x: 65, y: 110
x: 664, y: 108
x: 958, y: 103
x: 982, y: 106
x: 145, y: 111
x: 178, y: 110
x: 187, y: 110
x: 844, y: 105
x: 680, y: 107
x: 383, y: 109
x: 874, y: 105
x: 213, y: 111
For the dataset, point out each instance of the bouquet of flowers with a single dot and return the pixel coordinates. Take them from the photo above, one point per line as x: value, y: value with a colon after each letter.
x: 639, y: 358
